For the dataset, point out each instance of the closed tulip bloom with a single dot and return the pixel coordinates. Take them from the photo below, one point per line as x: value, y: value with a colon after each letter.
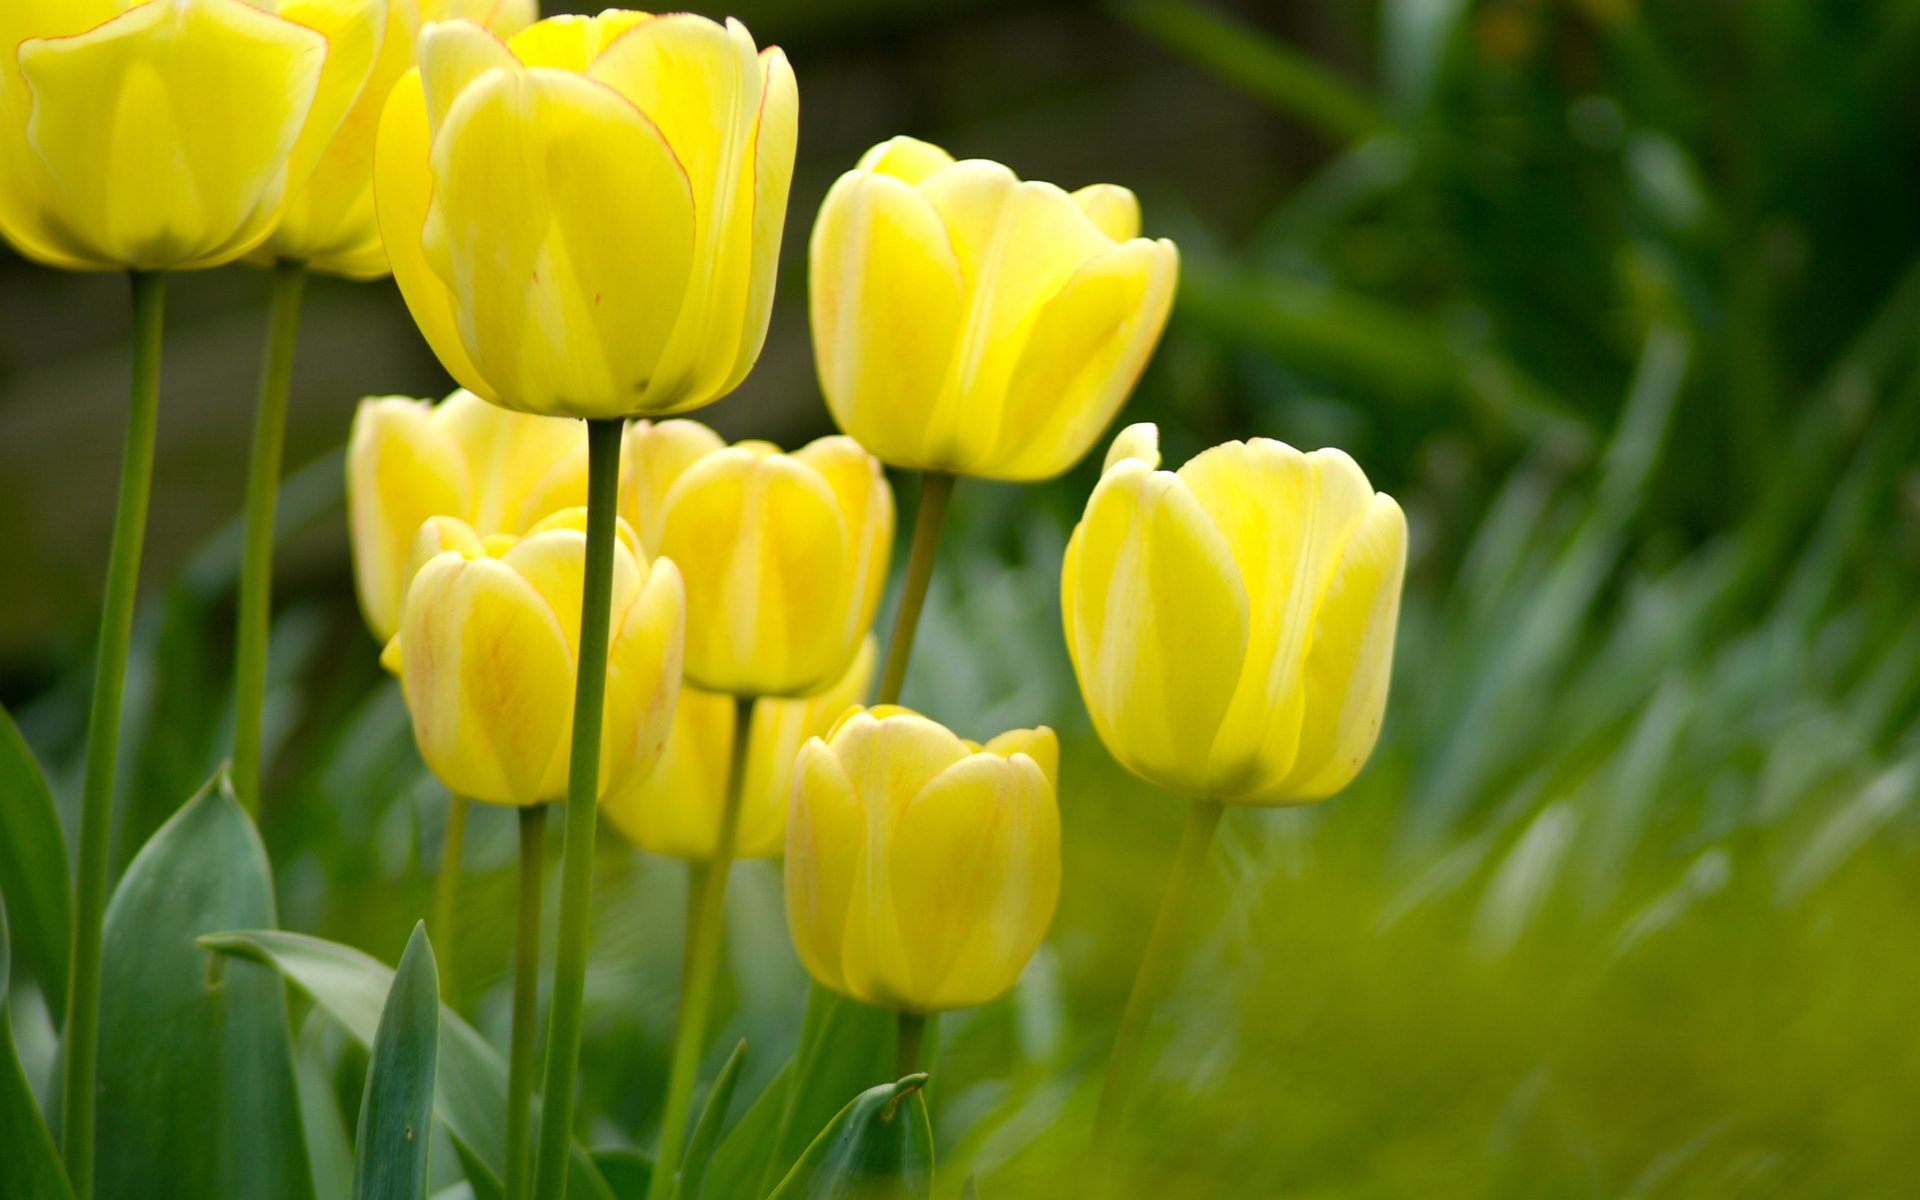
x: 486, y: 657
x: 168, y: 135
x: 676, y: 809
x: 498, y: 472
x: 585, y: 219
x: 922, y: 870
x: 329, y: 222
x: 967, y: 322
x: 1232, y: 623
x: 784, y: 554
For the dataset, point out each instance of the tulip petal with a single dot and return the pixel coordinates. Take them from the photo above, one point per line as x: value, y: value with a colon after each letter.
x: 1041, y: 745
x: 488, y: 678
x: 826, y: 840
x: 29, y: 200
x: 165, y: 131
x: 403, y: 192
x: 1140, y: 440
x: 1285, y: 515
x: 554, y: 561
x: 1083, y: 354
x: 560, y: 315
x: 643, y: 677
x: 571, y: 42
x: 1351, y: 660
x: 780, y: 728
x: 657, y: 454
x: 887, y: 304
x: 865, y: 502
x: 675, y: 808
x: 1114, y: 209
x: 776, y: 134
x: 355, y: 30
x: 975, y: 875
x: 401, y: 470
x: 1157, y: 623
x: 524, y: 467
x: 907, y: 159
x: 452, y: 55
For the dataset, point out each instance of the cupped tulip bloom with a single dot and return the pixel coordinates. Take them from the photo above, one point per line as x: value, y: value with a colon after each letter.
x: 409, y: 460
x: 922, y: 870
x: 676, y: 809
x: 585, y: 219
x: 486, y: 653
x: 1232, y: 623
x: 967, y: 322
x: 329, y: 223
x: 784, y: 554
x: 168, y: 135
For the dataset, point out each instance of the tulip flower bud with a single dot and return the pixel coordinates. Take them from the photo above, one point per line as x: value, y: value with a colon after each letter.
x: 1232, y: 623
x: 676, y: 809
x: 329, y: 223
x: 967, y: 322
x: 408, y: 460
x: 784, y: 554
x: 167, y: 135
x: 486, y: 657
x: 922, y: 870
x: 585, y: 219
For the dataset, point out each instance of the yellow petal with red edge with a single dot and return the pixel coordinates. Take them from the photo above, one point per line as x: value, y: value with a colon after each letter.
x: 1157, y: 623
x: 1351, y: 659
x: 570, y: 42
x: 488, y: 679
x: 400, y: 471
x: 165, y: 131
x: 535, y: 172
x: 1083, y: 354
x: 776, y: 133
x: 452, y: 55
x: 1285, y: 515
x: 355, y: 31
x: 887, y: 303
x: 402, y: 193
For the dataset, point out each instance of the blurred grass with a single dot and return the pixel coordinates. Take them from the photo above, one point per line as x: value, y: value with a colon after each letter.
x: 1620, y: 299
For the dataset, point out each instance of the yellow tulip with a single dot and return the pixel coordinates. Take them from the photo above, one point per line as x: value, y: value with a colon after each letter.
x: 585, y: 219
x: 676, y: 809
x: 486, y: 656
x: 970, y: 323
x: 1232, y: 623
x: 922, y: 870
x: 329, y: 223
x: 784, y: 554
x: 168, y: 134
x: 408, y: 460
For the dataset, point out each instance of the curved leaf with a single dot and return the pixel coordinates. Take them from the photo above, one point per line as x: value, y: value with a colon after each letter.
x: 33, y: 866
x: 880, y: 1146
x: 627, y: 1172
x: 196, y: 1083
x: 396, y: 1114
x: 470, y: 1096
x: 706, y: 1132
x: 32, y: 1170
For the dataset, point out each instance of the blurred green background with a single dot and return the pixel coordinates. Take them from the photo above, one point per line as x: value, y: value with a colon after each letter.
x: 1621, y: 300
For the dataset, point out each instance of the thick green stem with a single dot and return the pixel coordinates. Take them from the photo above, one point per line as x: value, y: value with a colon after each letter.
x: 906, y: 1051
x: 526, y: 998
x: 103, y: 732
x: 583, y: 786
x: 256, y: 559
x: 446, y: 900
x: 706, y: 921
x: 1156, y: 972
x: 935, y: 490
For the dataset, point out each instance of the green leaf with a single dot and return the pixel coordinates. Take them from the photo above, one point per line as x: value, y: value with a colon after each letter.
x: 627, y: 1172
x: 33, y: 866
x: 470, y: 1097
x: 396, y: 1114
x: 845, y: 1048
x: 706, y: 1131
x: 196, y: 1083
x: 32, y: 1170
x: 880, y: 1146
x: 970, y: 1190
x: 329, y: 1150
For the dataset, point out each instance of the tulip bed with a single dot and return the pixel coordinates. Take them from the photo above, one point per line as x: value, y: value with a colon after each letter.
x: 408, y: 898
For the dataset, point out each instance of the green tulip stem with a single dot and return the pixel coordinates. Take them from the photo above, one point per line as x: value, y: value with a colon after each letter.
x: 446, y: 899
x: 706, y: 922
x: 1156, y: 973
x: 256, y: 557
x: 526, y: 999
x: 935, y: 490
x: 906, y: 1052
x: 583, y: 787
x: 103, y: 732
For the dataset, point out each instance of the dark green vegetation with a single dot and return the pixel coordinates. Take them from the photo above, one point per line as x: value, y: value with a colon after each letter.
x: 1621, y: 300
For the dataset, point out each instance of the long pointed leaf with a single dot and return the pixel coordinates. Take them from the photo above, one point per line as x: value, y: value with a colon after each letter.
x: 32, y: 1170
x: 396, y: 1114
x: 33, y: 866
x: 706, y: 1132
x: 880, y: 1147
